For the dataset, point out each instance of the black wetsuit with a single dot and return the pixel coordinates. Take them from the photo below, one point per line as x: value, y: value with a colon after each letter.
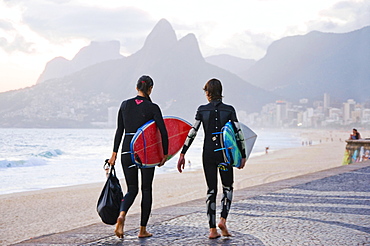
x: 214, y: 116
x: 132, y: 114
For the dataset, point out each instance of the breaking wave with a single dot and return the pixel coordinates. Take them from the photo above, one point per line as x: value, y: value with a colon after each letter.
x: 39, y: 159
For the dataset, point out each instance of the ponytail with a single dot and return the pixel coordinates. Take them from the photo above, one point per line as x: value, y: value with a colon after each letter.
x: 144, y: 84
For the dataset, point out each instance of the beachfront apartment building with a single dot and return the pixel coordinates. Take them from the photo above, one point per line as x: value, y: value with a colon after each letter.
x: 317, y: 114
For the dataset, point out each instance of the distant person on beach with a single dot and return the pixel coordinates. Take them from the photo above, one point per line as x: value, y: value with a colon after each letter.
x: 267, y: 150
x: 355, y: 135
x: 214, y: 116
x: 132, y: 114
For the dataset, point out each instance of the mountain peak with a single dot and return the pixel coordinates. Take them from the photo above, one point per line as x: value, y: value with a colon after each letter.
x: 189, y: 47
x: 89, y: 55
x: 97, y: 52
x: 162, y: 35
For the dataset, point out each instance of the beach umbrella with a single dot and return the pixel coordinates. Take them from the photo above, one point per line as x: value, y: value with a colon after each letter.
x: 249, y: 138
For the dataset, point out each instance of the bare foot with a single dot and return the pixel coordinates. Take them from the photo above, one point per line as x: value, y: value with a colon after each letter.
x: 143, y: 233
x: 119, y: 226
x: 222, y: 226
x: 213, y: 233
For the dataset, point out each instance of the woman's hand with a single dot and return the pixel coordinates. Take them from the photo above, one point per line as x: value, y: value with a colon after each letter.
x: 242, y: 164
x: 181, y: 163
x: 112, y: 160
x: 164, y: 159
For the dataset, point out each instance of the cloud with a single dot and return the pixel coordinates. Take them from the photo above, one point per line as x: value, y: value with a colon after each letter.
x: 87, y: 22
x: 261, y: 40
x: 12, y: 41
x: 6, y: 25
x: 249, y: 44
x: 62, y: 20
x: 17, y: 44
x: 344, y: 16
x: 59, y: 21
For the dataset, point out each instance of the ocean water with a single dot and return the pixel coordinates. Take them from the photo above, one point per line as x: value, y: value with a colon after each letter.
x: 34, y: 159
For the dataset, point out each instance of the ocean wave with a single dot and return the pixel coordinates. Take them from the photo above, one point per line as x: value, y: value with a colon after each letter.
x: 50, y: 153
x: 33, y: 161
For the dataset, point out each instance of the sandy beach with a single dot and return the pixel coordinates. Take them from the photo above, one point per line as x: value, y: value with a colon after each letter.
x: 26, y: 215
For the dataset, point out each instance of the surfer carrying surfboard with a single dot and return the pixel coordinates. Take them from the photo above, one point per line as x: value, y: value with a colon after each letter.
x: 132, y: 114
x: 214, y: 116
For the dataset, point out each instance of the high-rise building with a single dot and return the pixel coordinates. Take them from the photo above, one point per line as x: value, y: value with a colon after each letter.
x: 366, y: 115
x: 281, y: 112
x: 356, y: 115
x: 326, y: 100
x: 348, y: 107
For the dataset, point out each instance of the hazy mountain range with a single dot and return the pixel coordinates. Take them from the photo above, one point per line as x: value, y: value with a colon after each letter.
x: 95, y: 53
x: 77, y: 92
x: 236, y: 65
x: 310, y: 65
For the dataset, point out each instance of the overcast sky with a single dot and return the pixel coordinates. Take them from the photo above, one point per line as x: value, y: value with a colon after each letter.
x: 32, y: 32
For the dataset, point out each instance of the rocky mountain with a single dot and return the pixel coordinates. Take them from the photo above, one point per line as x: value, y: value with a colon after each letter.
x: 95, y: 53
x: 83, y: 91
x: 310, y: 65
x: 236, y: 65
x: 85, y: 96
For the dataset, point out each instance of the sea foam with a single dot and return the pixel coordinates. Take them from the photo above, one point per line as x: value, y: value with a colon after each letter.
x: 32, y: 161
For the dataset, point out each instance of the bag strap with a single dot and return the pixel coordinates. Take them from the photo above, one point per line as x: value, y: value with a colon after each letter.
x: 112, y: 169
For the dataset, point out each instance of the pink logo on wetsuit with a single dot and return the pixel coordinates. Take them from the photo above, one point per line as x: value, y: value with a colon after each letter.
x: 138, y: 101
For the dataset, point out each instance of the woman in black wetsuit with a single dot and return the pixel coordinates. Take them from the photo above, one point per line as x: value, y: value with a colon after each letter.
x: 214, y: 116
x: 132, y: 114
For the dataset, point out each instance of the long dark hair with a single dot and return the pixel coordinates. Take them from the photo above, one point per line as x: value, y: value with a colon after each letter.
x: 357, y: 133
x: 214, y: 89
x: 143, y: 84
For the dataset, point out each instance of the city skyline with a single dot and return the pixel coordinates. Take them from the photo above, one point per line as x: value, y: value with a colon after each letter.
x: 318, y: 113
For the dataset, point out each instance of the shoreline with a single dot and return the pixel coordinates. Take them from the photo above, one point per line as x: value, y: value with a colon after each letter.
x: 59, y: 209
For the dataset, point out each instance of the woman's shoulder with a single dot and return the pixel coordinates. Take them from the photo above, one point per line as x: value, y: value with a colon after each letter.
x: 151, y: 106
x: 221, y: 106
x: 125, y: 102
x: 204, y: 107
x: 227, y: 106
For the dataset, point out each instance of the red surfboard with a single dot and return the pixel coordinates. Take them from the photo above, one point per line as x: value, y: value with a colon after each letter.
x: 146, y: 145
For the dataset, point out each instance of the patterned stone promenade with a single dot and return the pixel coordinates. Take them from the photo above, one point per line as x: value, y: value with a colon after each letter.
x: 330, y: 207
